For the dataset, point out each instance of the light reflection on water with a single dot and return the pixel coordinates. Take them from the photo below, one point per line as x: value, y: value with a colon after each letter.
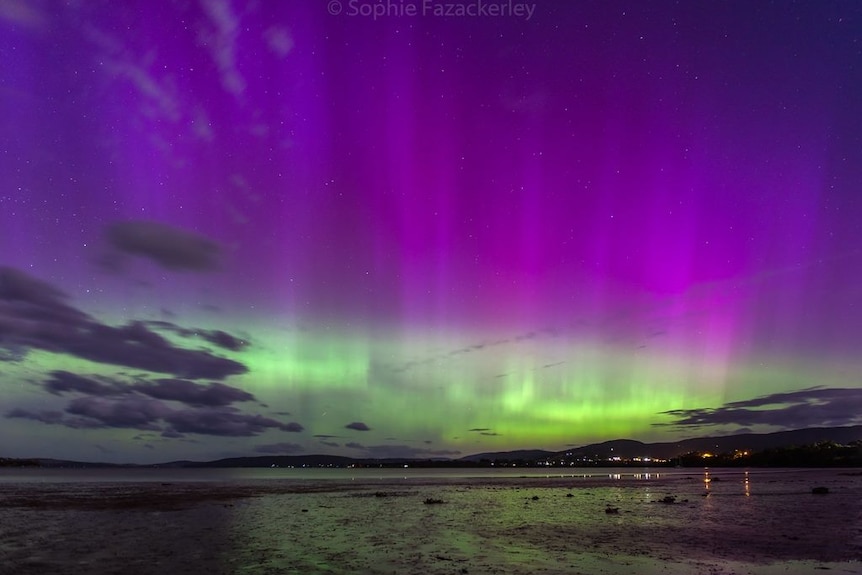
x: 381, y: 474
x: 687, y: 481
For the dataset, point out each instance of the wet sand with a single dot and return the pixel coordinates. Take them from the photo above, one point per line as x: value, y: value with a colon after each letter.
x: 733, y: 524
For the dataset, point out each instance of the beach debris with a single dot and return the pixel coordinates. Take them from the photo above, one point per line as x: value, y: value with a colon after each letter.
x: 668, y: 499
x: 535, y: 498
x: 612, y: 510
x: 432, y: 501
x: 569, y: 495
x: 381, y: 494
x: 820, y: 490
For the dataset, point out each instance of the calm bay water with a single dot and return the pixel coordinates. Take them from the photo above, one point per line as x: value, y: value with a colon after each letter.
x: 445, y: 475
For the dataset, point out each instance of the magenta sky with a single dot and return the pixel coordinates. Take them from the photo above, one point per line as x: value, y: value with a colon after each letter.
x: 231, y: 227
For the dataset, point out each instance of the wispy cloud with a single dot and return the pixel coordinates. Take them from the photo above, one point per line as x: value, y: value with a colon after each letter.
x: 220, y: 38
x: 159, y: 97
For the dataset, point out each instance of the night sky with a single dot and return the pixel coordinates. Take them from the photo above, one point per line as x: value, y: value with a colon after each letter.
x: 269, y: 227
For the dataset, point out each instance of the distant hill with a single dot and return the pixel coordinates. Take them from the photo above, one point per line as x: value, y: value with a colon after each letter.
x: 44, y: 462
x: 623, y: 448
x: 627, y: 448
x: 522, y: 454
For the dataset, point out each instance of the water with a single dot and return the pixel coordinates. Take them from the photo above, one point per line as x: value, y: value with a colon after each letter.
x: 299, y: 474
x: 503, y: 521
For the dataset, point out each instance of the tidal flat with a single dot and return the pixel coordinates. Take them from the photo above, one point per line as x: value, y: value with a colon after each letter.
x: 506, y: 522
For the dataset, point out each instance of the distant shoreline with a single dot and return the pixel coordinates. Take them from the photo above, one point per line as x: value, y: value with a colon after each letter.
x: 809, y: 447
x: 819, y: 455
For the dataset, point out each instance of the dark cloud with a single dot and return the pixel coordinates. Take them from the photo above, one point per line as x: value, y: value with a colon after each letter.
x: 812, y: 407
x: 354, y: 445
x: 323, y: 436
x: 280, y: 448
x: 357, y: 426
x: 150, y: 414
x: 132, y: 412
x: 93, y: 413
x: 134, y: 345
x: 26, y: 302
x: 212, y: 395
x: 65, y: 382
x: 34, y: 314
x: 224, y: 422
x: 104, y: 402
x: 224, y: 340
x: 170, y: 247
x: 216, y: 337
x: 480, y: 429
x: 330, y: 444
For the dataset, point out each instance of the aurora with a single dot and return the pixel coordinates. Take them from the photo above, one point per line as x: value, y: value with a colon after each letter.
x: 230, y: 228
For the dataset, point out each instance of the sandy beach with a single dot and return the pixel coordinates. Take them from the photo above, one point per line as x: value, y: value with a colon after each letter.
x: 719, y: 523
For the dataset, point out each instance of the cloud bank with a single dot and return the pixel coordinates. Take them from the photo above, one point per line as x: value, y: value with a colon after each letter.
x: 36, y: 315
x: 811, y: 407
x: 102, y: 402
